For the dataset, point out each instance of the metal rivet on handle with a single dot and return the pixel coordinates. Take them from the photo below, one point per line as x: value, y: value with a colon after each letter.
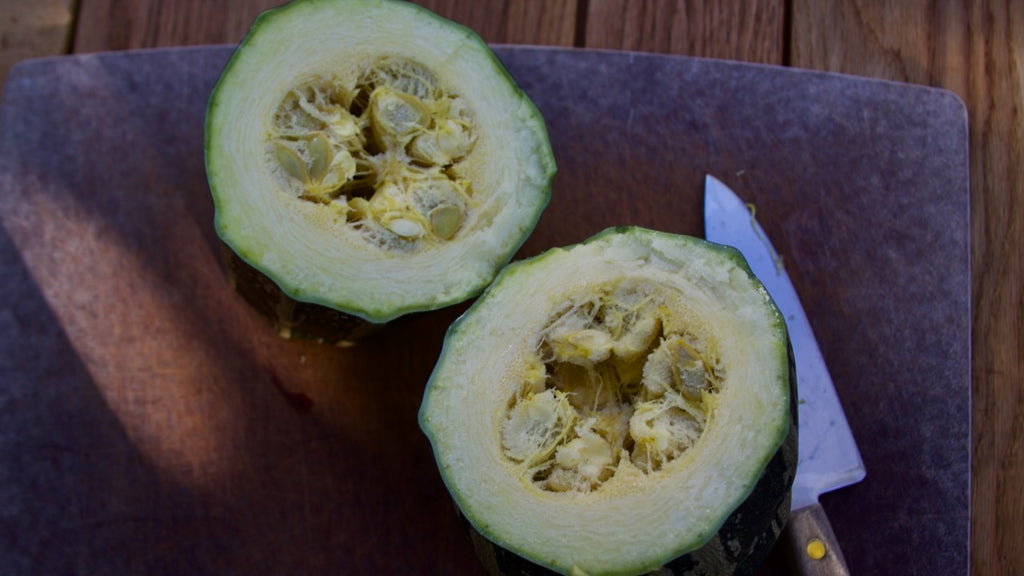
x: 815, y: 549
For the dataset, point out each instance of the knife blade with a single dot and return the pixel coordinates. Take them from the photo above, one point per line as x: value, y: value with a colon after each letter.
x: 828, y: 455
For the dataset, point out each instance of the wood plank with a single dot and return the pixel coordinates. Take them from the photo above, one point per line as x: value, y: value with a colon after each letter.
x: 749, y: 30
x: 551, y: 22
x: 975, y: 49
x: 126, y: 24
x: 33, y: 29
x: 995, y: 97
x: 129, y: 24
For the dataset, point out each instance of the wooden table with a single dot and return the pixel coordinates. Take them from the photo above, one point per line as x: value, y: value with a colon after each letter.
x: 975, y: 49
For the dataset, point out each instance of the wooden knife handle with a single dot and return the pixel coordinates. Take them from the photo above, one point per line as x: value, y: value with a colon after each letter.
x: 811, y: 545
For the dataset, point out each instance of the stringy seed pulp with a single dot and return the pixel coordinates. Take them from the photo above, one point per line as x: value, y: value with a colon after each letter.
x: 383, y: 154
x: 608, y: 385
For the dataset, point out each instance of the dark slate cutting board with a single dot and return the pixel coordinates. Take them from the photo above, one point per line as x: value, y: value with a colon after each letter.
x: 152, y: 423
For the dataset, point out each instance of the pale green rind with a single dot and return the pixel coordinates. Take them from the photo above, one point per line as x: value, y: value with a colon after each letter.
x: 354, y: 282
x: 495, y: 507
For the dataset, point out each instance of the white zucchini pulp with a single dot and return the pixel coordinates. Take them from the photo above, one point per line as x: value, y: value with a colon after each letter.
x: 372, y: 157
x: 605, y: 407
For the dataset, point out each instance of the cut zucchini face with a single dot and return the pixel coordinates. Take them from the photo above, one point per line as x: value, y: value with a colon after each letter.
x: 619, y: 406
x: 373, y: 158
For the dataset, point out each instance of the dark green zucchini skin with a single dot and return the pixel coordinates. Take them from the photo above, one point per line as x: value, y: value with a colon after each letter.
x: 289, y: 317
x: 739, y: 548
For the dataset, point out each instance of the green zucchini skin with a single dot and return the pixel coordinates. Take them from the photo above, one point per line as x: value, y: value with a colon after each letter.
x: 744, y: 538
x: 292, y: 318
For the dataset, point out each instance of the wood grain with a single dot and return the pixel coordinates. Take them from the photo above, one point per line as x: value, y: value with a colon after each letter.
x: 750, y: 30
x: 129, y: 24
x: 125, y: 24
x: 995, y: 92
x: 975, y: 49
x: 552, y: 22
x: 30, y: 29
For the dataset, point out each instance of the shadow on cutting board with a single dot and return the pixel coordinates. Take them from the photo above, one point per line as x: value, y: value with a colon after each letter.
x: 152, y: 422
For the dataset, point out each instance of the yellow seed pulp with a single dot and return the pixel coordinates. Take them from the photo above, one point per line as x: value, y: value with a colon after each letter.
x: 610, y: 387
x: 383, y: 154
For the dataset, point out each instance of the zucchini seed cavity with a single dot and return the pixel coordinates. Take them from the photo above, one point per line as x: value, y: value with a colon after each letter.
x: 609, y: 385
x: 384, y: 153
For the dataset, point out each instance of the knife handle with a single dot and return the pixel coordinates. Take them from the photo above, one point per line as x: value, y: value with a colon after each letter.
x: 811, y: 544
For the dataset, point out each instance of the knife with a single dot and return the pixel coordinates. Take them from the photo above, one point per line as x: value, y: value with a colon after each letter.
x: 828, y: 455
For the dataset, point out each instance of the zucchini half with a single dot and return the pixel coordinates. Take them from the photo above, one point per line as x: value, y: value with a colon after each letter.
x: 371, y: 158
x: 621, y: 406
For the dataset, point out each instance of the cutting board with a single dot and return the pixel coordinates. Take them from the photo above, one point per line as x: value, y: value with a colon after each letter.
x: 151, y: 422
